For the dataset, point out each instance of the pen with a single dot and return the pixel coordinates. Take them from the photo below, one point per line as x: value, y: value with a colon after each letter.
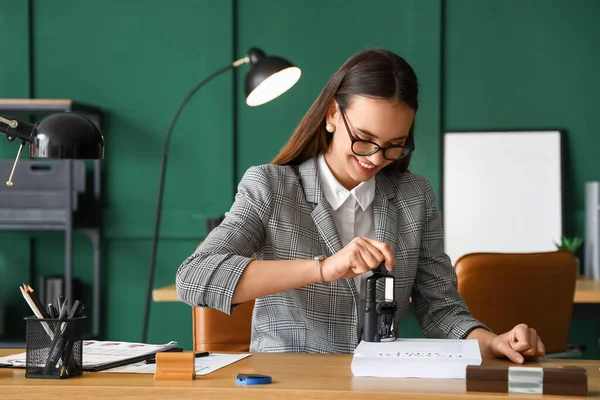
x: 62, y: 312
x: 74, y: 312
x: 51, y: 312
x: 197, y: 355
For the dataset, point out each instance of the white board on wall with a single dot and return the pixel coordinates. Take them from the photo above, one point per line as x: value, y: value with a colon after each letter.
x: 502, y: 192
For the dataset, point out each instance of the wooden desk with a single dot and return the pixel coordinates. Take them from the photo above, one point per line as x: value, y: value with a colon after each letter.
x: 295, y: 376
x: 44, y: 105
x: 586, y: 291
x: 167, y: 293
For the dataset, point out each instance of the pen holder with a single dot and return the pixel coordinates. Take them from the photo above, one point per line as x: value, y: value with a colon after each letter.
x: 54, y: 348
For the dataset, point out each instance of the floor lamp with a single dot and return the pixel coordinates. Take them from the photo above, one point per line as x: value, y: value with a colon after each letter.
x: 267, y: 78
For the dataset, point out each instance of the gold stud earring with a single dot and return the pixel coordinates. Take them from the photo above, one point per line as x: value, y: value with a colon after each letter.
x: 330, y: 128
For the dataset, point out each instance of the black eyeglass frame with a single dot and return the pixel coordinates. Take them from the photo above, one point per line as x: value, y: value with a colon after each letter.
x: 376, y: 147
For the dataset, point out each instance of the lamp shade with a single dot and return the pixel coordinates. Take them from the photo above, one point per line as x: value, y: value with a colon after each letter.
x: 268, y: 77
x: 68, y: 136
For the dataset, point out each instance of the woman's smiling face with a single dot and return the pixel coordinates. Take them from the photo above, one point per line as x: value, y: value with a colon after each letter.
x: 382, y: 122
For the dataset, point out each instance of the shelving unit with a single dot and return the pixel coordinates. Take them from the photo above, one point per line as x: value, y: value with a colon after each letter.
x: 88, y: 218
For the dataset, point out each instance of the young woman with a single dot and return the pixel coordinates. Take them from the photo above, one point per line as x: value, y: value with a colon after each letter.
x: 335, y: 203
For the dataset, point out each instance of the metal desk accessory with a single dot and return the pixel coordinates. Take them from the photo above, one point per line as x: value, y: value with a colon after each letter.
x: 384, y: 309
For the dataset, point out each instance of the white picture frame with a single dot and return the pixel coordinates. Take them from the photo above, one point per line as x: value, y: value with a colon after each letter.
x: 501, y: 191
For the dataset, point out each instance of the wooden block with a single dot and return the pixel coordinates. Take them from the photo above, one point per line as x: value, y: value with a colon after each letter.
x: 487, y: 379
x: 175, y: 366
x: 567, y: 381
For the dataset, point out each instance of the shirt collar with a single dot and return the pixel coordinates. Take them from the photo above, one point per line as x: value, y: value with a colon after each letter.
x: 336, y: 194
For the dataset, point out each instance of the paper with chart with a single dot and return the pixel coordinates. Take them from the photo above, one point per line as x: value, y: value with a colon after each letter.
x: 102, y: 353
x: 416, y: 358
x: 203, y: 365
x: 97, y: 353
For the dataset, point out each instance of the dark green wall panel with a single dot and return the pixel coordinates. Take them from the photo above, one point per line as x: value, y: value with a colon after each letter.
x: 14, y: 270
x: 14, y: 42
x: 125, y: 274
x: 425, y: 19
x: 531, y: 65
x: 318, y: 36
x: 138, y: 63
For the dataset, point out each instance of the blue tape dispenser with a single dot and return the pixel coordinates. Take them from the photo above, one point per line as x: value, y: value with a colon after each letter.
x: 252, y: 379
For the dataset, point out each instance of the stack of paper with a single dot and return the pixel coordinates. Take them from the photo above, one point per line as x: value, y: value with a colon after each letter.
x: 416, y: 358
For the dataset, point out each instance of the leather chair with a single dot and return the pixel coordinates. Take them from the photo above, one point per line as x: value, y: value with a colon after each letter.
x: 216, y: 331
x: 213, y: 330
x: 505, y: 289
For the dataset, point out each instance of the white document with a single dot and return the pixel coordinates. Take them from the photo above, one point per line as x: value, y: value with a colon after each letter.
x: 416, y: 358
x: 203, y: 365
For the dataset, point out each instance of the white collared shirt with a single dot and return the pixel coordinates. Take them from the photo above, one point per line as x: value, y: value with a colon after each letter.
x: 352, y: 210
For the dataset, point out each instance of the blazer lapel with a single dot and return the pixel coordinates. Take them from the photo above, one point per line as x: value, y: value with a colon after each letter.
x: 324, y: 222
x: 385, y: 212
x: 321, y: 214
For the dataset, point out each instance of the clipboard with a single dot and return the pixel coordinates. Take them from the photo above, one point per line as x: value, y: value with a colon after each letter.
x: 104, y: 354
x: 146, y: 357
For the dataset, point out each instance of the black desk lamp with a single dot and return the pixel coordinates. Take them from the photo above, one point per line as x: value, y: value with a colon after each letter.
x: 267, y: 78
x: 63, y: 135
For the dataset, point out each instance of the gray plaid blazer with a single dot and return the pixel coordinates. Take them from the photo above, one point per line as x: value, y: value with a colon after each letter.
x: 280, y: 213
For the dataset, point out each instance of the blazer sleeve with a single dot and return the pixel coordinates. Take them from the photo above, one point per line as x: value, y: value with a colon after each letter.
x: 440, y: 309
x: 208, y: 277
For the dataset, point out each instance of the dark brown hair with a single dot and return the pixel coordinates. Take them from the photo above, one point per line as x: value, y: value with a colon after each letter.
x: 373, y: 73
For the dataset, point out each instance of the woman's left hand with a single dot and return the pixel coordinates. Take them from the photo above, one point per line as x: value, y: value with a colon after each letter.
x: 519, y: 344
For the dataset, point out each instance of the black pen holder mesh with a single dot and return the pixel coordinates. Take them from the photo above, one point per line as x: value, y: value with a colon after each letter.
x: 54, y: 348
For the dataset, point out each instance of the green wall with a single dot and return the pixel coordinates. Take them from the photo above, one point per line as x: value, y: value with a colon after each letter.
x: 137, y: 63
x: 531, y: 65
x: 481, y: 64
x: 308, y: 35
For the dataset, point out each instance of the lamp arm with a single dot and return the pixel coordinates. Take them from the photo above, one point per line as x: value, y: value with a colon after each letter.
x: 161, y: 184
x: 16, y: 129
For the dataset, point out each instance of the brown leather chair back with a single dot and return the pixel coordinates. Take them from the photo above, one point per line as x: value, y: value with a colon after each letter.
x: 214, y: 330
x: 503, y: 290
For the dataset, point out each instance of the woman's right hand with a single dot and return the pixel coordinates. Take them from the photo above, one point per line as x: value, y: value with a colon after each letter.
x: 359, y: 256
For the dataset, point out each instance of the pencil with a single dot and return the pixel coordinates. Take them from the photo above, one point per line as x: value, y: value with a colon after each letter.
x: 36, y: 300
x: 36, y: 311
x: 197, y: 355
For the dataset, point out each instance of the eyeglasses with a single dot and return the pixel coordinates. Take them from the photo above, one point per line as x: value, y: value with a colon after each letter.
x: 362, y: 147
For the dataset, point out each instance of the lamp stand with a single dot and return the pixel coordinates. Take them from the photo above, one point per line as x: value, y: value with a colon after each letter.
x: 161, y: 184
x: 15, y: 129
